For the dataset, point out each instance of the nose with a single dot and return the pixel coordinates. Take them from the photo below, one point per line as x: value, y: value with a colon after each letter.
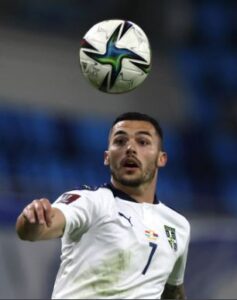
x: 131, y: 149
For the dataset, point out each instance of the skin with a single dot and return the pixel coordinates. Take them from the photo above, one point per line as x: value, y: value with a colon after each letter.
x: 173, y: 292
x: 40, y: 221
x: 135, y: 141
x: 134, y: 156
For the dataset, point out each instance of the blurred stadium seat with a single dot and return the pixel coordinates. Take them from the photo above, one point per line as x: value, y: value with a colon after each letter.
x: 213, y: 22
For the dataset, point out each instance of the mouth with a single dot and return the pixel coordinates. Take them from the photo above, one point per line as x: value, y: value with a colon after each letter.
x: 130, y: 163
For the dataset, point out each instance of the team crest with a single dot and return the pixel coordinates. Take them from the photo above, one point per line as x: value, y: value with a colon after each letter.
x: 171, y: 235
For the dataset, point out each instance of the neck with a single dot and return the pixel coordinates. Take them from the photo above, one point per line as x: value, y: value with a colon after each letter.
x: 142, y: 193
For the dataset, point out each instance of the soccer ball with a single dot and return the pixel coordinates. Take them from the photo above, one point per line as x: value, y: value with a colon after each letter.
x: 115, y: 56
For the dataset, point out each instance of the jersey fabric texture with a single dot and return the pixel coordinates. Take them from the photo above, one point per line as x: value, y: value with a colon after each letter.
x: 114, y: 247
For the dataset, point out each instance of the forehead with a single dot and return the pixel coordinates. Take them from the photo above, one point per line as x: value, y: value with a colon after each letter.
x: 133, y: 127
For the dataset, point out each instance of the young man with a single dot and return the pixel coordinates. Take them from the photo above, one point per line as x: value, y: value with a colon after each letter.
x: 118, y: 241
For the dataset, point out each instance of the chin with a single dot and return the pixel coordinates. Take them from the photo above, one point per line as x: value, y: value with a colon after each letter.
x: 131, y: 182
x: 126, y: 179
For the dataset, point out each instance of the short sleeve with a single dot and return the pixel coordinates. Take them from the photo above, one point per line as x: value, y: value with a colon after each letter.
x: 177, y: 275
x: 79, y: 209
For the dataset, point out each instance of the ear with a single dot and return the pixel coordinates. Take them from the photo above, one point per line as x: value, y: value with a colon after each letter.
x: 162, y: 159
x: 106, y: 158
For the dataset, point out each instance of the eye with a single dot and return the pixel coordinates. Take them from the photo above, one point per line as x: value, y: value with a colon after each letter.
x: 144, y: 142
x: 120, y: 141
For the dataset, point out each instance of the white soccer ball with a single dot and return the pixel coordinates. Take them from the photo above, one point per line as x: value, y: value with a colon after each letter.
x: 115, y: 56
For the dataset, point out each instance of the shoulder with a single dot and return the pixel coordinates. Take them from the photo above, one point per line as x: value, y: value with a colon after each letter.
x: 101, y: 191
x: 85, y: 192
x: 175, y: 218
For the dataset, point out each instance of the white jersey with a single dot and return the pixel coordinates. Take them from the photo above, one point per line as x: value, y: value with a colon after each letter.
x: 114, y: 247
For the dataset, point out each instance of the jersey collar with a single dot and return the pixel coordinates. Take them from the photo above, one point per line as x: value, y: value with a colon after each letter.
x: 124, y: 196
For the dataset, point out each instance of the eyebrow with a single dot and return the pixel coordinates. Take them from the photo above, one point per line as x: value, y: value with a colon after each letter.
x: 137, y: 133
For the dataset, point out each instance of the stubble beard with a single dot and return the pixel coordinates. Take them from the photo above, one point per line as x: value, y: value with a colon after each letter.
x: 145, y: 177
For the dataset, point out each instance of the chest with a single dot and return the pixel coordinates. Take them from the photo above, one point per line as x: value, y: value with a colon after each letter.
x: 141, y: 229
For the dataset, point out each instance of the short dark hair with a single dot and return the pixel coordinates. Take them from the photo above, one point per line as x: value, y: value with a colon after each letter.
x: 136, y: 116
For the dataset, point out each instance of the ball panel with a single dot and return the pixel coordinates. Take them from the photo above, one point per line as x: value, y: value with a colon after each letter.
x: 115, y: 56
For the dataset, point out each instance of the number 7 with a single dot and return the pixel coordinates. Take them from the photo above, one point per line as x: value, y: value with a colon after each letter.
x: 153, y: 249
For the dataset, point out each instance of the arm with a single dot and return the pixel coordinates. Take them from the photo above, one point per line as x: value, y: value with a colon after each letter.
x: 174, y: 288
x: 173, y: 292
x: 40, y: 221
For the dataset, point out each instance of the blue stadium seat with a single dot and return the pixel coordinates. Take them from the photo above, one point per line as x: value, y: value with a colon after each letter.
x: 228, y: 71
x: 175, y: 190
x: 92, y: 172
x: 223, y: 148
x: 174, y: 147
x: 44, y: 131
x: 31, y: 174
x: 213, y: 21
x: 9, y: 128
x: 91, y: 135
x: 191, y: 64
x: 228, y: 193
x: 5, y: 174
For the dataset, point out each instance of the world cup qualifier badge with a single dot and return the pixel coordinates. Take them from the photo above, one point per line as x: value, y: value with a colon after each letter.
x: 68, y: 198
x: 171, y: 235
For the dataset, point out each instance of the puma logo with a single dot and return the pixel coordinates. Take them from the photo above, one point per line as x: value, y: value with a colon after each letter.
x: 128, y: 219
